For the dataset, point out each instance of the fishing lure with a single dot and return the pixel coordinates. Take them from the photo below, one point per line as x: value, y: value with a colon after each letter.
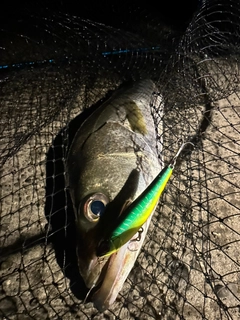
x: 138, y: 212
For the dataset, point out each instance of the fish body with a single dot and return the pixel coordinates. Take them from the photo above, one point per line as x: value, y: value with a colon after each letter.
x: 111, y: 161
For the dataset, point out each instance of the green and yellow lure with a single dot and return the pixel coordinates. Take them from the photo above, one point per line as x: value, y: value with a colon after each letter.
x: 138, y: 212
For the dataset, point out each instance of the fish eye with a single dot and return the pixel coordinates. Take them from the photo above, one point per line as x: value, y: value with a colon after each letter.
x: 95, y: 206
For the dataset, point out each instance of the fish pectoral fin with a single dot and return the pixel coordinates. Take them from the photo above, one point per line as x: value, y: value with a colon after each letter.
x: 136, y: 118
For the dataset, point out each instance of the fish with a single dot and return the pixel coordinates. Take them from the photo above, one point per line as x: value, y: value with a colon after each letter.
x: 113, y: 158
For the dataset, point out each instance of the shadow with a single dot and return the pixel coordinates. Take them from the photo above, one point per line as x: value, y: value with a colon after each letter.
x: 58, y: 206
x: 21, y: 245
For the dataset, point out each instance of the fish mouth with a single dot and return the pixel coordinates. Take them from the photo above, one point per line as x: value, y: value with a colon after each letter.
x: 105, y: 276
x: 114, y: 275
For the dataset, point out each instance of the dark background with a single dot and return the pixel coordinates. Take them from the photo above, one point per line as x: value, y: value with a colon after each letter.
x: 115, y: 13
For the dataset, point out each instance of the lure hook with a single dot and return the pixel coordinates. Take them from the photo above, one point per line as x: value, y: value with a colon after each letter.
x: 140, y: 231
x: 174, y: 159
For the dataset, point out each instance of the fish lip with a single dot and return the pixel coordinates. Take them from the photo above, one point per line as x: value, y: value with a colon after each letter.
x: 106, y: 284
x: 102, y: 289
x: 117, y: 270
x: 87, y: 272
x: 103, y: 301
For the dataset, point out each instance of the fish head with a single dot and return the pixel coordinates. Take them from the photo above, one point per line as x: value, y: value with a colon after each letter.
x: 95, y: 216
x: 115, y: 186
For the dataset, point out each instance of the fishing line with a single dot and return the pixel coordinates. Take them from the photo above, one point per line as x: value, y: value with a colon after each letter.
x: 68, y: 59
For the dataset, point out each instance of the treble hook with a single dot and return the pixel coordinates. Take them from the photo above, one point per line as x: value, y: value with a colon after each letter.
x: 174, y: 159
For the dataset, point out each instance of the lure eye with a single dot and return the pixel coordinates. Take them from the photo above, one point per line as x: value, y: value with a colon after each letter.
x: 95, y: 206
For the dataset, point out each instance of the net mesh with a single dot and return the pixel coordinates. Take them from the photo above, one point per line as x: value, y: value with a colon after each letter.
x: 55, y: 69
